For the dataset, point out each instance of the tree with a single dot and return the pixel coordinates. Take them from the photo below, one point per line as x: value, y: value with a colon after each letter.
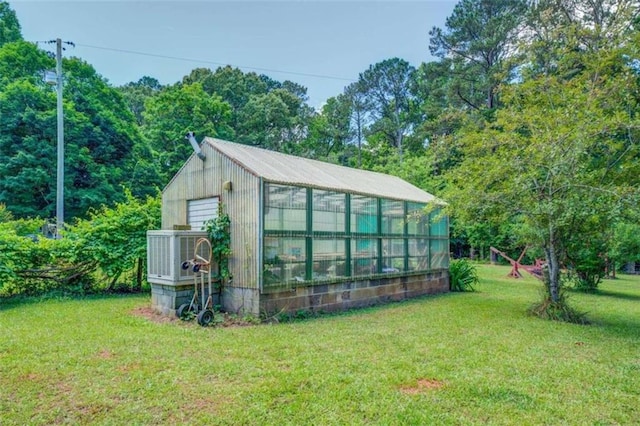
x: 560, y: 156
x: 330, y: 131
x: 100, y: 137
x: 561, y: 31
x: 264, y: 122
x: 10, y: 30
x: 23, y: 61
x: 177, y: 110
x: 388, y: 88
x: 136, y: 93
x: 355, y: 96
x: 479, y: 38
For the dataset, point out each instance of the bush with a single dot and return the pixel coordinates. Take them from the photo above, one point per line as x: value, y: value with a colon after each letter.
x: 103, y: 253
x: 462, y: 275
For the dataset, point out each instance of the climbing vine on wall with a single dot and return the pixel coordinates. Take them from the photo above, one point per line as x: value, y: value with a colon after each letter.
x: 220, y: 238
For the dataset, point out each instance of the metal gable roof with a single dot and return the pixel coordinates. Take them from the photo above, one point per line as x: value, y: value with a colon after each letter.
x: 288, y: 169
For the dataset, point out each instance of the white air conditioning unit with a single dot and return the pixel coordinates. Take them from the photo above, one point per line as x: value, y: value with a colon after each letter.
x: 166, y: 250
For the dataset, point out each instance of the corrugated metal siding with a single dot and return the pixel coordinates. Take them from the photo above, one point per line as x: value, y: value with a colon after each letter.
x: 287, y: 169
x: 199, y: 180
x: 241, y: 204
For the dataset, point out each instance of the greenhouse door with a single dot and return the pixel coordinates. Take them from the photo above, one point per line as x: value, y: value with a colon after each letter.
x: 199, y: 211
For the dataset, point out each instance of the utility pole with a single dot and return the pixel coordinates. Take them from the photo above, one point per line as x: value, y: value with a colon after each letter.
x: 60, y: 173
x: 60, y: 166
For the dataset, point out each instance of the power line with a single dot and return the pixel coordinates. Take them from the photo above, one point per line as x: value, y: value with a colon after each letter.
x: 203, y: 61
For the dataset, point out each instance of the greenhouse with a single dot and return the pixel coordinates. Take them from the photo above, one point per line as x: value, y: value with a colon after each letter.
x: 304, y: 234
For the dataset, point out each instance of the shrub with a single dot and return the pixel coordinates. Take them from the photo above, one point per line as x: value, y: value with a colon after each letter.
x: 103, y: 253
x: 462, y: 275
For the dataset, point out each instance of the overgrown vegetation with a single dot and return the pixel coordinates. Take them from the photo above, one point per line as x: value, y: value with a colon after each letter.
x: 105, y: 252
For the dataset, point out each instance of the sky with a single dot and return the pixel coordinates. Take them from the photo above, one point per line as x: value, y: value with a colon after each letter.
x: 322, y: 45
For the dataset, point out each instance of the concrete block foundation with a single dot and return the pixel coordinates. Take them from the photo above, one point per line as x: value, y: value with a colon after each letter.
x: 329, y: 297
x: 354, y: 294
x: 166, y: 298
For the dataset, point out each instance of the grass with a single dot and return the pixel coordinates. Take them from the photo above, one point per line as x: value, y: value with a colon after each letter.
x: 460, y: 358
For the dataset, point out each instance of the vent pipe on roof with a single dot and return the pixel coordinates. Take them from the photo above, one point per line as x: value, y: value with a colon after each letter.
x: 191, y: 136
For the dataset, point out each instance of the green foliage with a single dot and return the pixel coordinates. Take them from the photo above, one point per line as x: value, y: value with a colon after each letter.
x: 114, y: 239
x: 218, y: 230
x: 9, y: 26
x: 389, y: 88
x: 135, y: 94
x: 173, y: 112
x: 477, y: 43
x: 102, y: 253
x: 5, y: 215
x: 31, y: 264
x: 101, y: 140
x: 625, y: 246
x: 463, y: 275
x: 560, y: 164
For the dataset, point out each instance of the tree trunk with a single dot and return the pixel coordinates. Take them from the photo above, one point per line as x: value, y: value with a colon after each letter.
x: 139, y: 274
x: 554, y: 272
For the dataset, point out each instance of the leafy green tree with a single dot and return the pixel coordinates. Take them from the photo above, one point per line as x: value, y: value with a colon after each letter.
x: 265, y: 120
x: 554, y: 162
x: 23, y: 61
x: 625, y: 246
x: 27, y: 126
x: 232, y: 85
x: 561, y: 31
x: 100, y: 137
x: 9, y: 26
x: 388, y: 87
x: 136, y: 93
x: 172, y: 113
x: 330, y: 131
x: 479, y: 38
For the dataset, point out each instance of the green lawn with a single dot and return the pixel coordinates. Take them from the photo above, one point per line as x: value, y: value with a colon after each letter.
x: 473, y: 358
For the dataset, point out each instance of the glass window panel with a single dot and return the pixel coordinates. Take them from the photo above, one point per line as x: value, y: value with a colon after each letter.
x: 392, y: 217
x: 393, y: 255
x: 284, y: 260
x: 417, y: 219
x: 328, y: 258
x: 418, y: 254
x: 364, y: 215
x: 364, y: 257
x: 439, y: 225
x: 328, y: 211
x: 439, y: 254
x: 285, y: 208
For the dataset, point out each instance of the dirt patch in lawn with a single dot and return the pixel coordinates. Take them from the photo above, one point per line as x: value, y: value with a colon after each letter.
x: 153, y: 316
x: 423, y: 385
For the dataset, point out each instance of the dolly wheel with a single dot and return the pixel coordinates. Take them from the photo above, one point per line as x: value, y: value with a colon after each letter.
x: 182, y: 311
x: 205, y: 317
x: 185, y: 265
x: 196, y: 268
